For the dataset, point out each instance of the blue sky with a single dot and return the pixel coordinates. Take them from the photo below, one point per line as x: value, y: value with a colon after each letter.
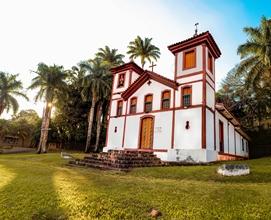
x: 65, y: 32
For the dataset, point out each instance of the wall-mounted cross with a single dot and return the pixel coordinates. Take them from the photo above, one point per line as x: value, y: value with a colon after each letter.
x: 152, y: 66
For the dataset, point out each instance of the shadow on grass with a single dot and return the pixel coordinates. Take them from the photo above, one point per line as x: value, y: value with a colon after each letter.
x: 30, y: 194
x: 260, y: 173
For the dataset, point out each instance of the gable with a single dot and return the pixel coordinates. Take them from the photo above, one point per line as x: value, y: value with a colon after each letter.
x: 145, y: 78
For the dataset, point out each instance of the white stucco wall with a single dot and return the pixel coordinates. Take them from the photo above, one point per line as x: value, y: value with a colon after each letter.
x: 188, y: 138
x: 134, y: 77
x: 229, y: 133
x: 154, y: 88
x: 198, y: 67
x: 115, y: 138
x: 209, y: 130
x: 231, y: 139
x: 161, y: 134
x: 210, y: 97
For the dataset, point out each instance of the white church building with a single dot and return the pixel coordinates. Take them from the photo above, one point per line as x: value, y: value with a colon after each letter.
x: 176, y: 119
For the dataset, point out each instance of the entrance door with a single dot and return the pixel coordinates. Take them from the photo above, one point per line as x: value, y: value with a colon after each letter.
x: 146, y: 133
x: 221, y: 136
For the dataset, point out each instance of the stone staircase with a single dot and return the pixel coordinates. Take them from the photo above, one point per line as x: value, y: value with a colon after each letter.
x: 121, y: 160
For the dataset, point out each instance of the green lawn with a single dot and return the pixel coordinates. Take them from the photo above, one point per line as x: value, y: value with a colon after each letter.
x: 43, y: 187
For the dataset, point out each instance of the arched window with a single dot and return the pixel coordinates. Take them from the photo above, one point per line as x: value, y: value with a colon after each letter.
x: 187, y: 96
x: 133, y: 105
x: 165, y: 100
x: 119, y: 108
x: 148, y: 103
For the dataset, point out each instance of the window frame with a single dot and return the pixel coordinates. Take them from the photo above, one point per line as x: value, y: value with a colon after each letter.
x: 145, y: 97
x: 119, y: 76
x: 194, y: 50
x: 182, y: 96
x: 133, y: 98
x: 117, y: 112
x: 162, y: 99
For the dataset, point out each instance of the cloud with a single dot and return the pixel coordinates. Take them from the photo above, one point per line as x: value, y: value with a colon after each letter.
x: 65, y: 32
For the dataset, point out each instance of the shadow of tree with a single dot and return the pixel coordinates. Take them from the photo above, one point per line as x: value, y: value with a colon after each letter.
x: 31, y: 193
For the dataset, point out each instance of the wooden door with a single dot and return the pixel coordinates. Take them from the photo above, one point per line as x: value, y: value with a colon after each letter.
x: 146, y: 133
x: 221, y: 136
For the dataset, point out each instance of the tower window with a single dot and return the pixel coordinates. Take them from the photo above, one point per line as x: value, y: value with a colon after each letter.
x: 165, y: 99
x: 189, y: 59
x: 148, y: 103
x: 210, y: 63
x: 121, y: 80
x: 119, y: 108
x: 187, y: 96
x: 133, y: 105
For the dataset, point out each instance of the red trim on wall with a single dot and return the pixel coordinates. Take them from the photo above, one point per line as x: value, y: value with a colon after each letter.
x: 144, y: 78
x: 210, y: 85
x: 109, y: 112
x: 191, y: 82
x: 203, y: 38
x: 146, y: 150
x: 127, y: 66
x: 124, y: 125
x: 214, y: 131
x: 188, y: 75
x: 174, y: 106
x: 232, y: 155
x: 210, y: 109
x: 156, y: 111
x: 203, y: 115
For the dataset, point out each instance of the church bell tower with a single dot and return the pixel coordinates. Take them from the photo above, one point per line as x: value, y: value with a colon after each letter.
x: 195, y: 69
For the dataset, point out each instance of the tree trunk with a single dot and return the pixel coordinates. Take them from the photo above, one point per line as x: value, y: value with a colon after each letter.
x: 44, y: 129
x: 2, y: 108
x: 99, y: 125
x: 90, y: 123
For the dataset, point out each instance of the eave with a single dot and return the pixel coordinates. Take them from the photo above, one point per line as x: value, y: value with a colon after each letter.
x: 202, y: 38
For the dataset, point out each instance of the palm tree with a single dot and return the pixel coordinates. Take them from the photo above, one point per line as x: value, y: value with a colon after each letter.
x: 50, y: 81
x: 96, y: 83
x: 10, y: 87
x: 256, y: 53
x: 110, y: 58
x: 144, y: 50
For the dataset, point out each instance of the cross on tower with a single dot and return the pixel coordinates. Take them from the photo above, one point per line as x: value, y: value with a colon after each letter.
x: 152, y: 65
x: 196, y: 30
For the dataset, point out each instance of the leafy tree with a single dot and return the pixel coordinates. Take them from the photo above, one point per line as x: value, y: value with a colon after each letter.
x: 256, y: 53
x: 144, y: 50
x: 97, y: 83
x: 9, y: 88
x: 109, y: 58
x: 50, y: 81
x: 71, y: 112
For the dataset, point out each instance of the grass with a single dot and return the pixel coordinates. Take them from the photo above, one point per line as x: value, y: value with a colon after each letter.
x: 43, y: 187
